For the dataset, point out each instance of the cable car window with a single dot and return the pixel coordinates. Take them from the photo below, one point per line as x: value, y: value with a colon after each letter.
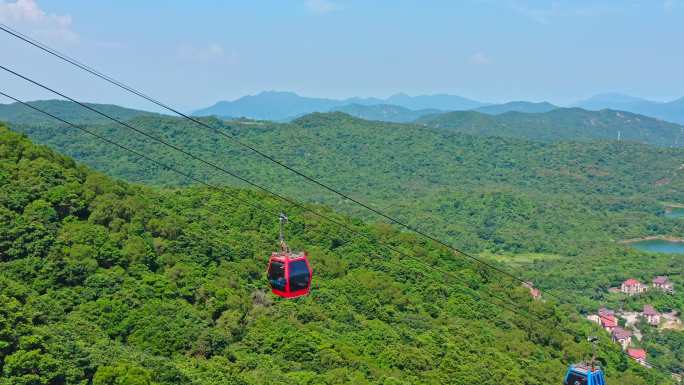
x: 576, y: 379
x: 299, y: 275
x: 276, y: 275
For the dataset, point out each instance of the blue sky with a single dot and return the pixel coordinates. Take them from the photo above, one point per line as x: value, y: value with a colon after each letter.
x: 193, y: 53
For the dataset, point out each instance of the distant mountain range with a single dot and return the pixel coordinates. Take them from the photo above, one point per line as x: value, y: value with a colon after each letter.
x: 551, y: 124
x: 285, y: 106
x: 269, y: 105
x: 282, y: 106
x: 672, y: 111
x: 443, y: 102
x: 561, y: 124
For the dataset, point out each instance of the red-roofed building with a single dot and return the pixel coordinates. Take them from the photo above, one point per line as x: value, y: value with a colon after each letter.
x: 639, y: 355
x: 633, y: 287
x: 622, y: 337
x: 608, y: 322
x: 651, y: 315
x: 661, y: 282
x: 605, y: 318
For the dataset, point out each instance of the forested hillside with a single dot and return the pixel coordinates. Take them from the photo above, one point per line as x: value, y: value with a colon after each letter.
x: 483, y: 193
x: 104, y: 282
x: 551, y: 211
x: 562, y: 124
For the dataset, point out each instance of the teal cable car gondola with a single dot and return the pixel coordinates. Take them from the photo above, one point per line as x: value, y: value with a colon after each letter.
x: 586, y: 374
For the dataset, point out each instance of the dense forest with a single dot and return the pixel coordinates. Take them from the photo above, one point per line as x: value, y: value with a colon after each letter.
x: 552, y: 212
x: 104, y: 282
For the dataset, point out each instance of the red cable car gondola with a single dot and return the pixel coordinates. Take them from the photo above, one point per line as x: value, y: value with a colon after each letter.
x: 289, y: 274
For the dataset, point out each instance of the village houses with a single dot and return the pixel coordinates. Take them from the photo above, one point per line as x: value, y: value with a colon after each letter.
x: 607, y: 319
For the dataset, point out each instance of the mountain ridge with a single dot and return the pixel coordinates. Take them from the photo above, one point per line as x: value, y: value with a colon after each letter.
x: 672, y: 111
x: 517, y: 106
x: 561, y: 124
x: 287, y: 105
x: 68, y: 110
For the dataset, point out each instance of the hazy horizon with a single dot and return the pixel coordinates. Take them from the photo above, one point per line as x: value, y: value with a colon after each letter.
x: 134, y: 104
x: 203, y: 52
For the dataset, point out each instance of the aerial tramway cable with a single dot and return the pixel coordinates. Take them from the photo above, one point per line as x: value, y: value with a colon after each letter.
x: 44, y: 47
x: 260, y: 207
x: 270, y: 158
x: 529, y: 315
x: 174, y: 147
x: 130, y: 89
x: 113, y: 81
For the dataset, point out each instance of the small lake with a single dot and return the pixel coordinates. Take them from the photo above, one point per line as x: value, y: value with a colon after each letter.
x: 660, y: 246
x: 677, y: 212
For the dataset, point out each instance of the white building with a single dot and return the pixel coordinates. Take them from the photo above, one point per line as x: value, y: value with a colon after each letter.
x: 633, y: 287
x: 651, y: 315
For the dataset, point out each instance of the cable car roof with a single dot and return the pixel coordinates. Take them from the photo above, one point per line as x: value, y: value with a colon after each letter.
x: 584, y: 368
x: 288, y: 255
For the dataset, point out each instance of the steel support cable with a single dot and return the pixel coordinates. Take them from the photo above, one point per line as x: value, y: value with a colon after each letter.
x: 536, y: 319
x: 313, y: 180
x: 178, y: 149
x: 130, y: 89
x: 259, y: 207
x: 113, y: 81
